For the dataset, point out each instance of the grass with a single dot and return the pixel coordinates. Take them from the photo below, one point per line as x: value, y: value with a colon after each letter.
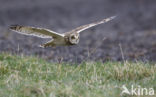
x: 32, y: 77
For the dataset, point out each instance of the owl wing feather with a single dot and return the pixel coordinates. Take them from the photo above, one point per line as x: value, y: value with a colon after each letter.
x: 39, y: 32
x: 84, y: 27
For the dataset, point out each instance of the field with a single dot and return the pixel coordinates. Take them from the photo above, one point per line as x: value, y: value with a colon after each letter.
x: 109, y: 57
x: 22, y: 76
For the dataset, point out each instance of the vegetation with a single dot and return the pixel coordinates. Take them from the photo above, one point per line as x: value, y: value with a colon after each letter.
x: 33, y: 77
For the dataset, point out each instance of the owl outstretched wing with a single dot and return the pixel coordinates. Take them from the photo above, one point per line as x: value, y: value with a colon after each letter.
x: 39, y: 32
x: 84, y: 27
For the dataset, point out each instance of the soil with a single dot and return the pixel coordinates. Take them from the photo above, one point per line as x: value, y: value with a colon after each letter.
x: 130, y: 36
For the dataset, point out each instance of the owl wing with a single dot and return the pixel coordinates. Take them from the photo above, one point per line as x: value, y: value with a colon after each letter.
x: 84, y: 27
x: 39, y: 32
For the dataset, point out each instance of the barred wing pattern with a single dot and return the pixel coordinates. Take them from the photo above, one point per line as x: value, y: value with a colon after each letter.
x: 39, y: 32
x: 84, y: 27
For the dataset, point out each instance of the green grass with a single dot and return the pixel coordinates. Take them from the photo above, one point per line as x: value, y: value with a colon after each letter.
x: 32, y: 77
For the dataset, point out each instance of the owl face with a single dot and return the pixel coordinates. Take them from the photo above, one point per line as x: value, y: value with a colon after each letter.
x: 74, y: 39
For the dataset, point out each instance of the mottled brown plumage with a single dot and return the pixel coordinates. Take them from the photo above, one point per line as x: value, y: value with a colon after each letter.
x: 66, y: 39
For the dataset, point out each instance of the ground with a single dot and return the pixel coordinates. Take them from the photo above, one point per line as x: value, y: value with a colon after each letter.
x: 23, y: 76
x: 134, y: 29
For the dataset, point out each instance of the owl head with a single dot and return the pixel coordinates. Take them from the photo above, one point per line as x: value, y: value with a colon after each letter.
x: 74, y: 38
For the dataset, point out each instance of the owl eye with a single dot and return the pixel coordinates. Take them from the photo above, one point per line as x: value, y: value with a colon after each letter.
x: 72, y: 37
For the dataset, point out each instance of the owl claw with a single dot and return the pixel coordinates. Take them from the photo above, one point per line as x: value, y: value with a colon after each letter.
x: 42, y: 46
x: 45, y: 46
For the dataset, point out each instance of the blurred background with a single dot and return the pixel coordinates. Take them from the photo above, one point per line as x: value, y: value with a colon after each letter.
x: 132, y: 33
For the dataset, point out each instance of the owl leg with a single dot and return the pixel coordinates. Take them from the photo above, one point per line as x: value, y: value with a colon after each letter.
x: 48, y: 44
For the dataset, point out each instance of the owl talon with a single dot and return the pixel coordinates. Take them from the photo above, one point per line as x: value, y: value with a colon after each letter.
x: 42, y: 46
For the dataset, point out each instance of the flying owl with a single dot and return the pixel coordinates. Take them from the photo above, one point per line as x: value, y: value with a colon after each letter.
x: 66, y: 39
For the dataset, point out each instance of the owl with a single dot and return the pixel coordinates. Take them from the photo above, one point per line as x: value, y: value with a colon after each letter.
x: 66, y: 39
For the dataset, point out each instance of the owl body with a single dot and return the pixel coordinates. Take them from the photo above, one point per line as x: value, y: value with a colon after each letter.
x: 69, y: 38
x: 54, y: 43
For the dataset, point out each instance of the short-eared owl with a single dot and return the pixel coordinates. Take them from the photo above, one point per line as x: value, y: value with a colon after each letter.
x: 68, y: 38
